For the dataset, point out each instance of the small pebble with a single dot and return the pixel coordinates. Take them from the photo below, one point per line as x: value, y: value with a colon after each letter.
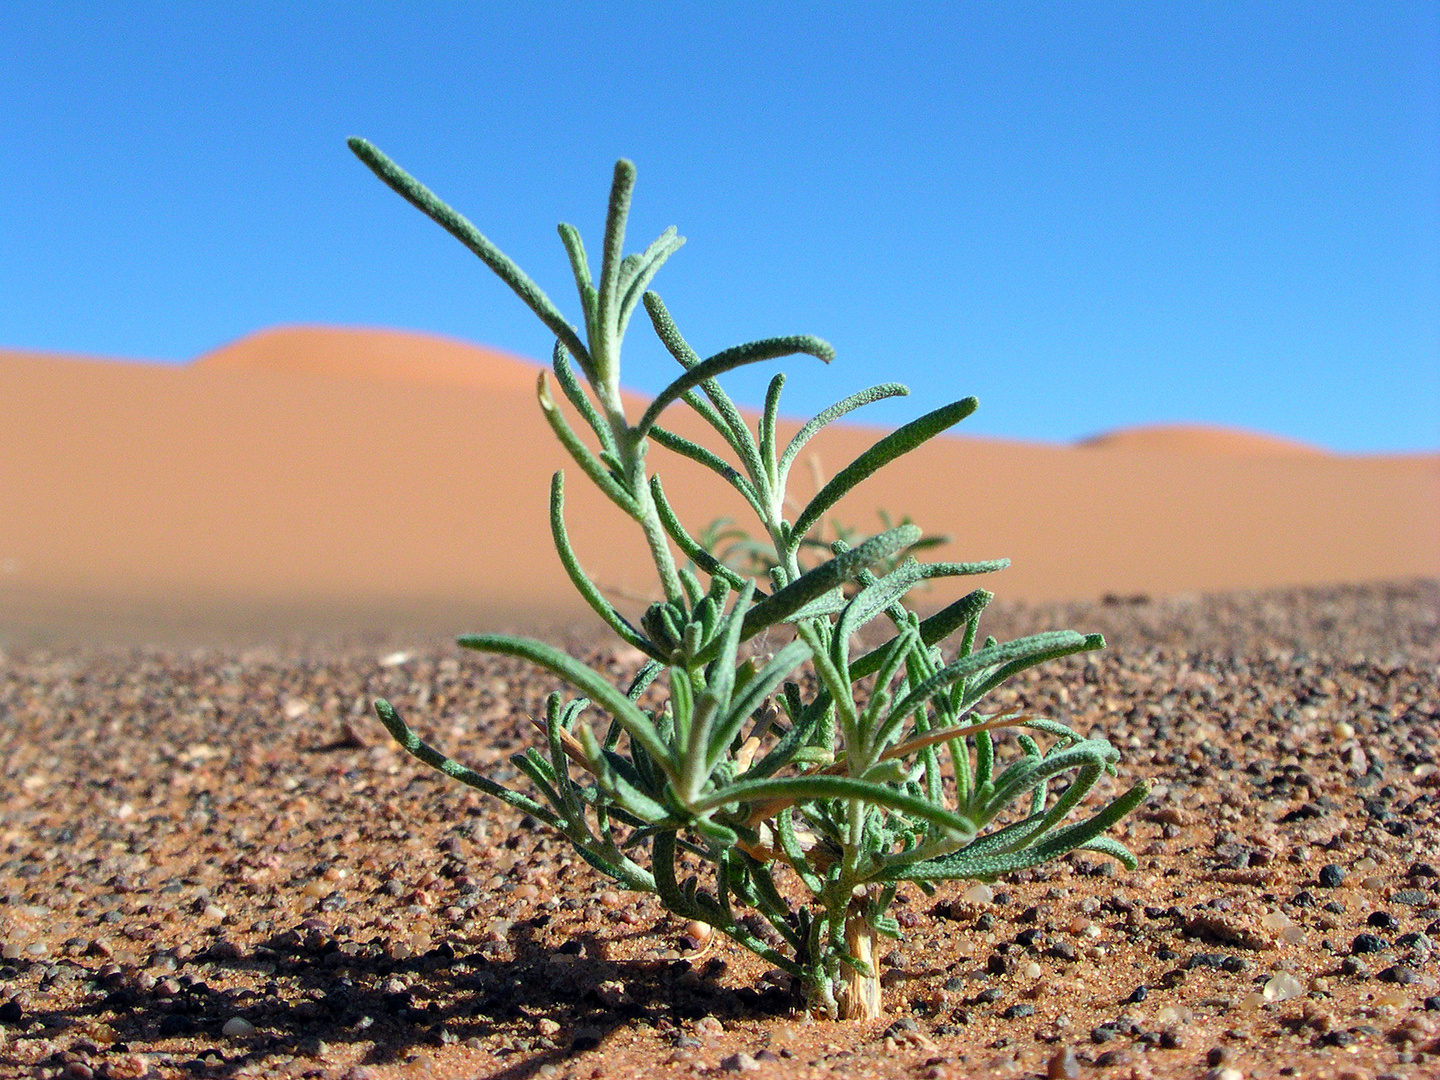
x: 237, y: 1027
x: 1063, y: 1065
x: 1282, y: 986
x: 1332, y: 876
x: 740, y: 1062
x: 979, y: 893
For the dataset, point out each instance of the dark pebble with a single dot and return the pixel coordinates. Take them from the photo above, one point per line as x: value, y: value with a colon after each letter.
x: 1334, y: 907
x: 1303, y: 898
x: 1112, y: 1057
x: 1212, y: 960
x: 1063, y: 950
x: 173, y: 1024
x: 1103, y: 1034
x: 1411, y: 898
x: 1337, y: 1038
x: 1015, y: 1012
x: 1351, y: 966
x: 1166, y: 954
x: 1139, y: 994
x: 1432, y: 1004
x: 900, y: 1027
x: 1382, y: 920
x: 1216, y: 1055
x: 990, y: 995
x: 11, y: 1012
x: 1368, y: 943
x: 1171, y: 1039
x: 955, y: 982
x: 1399, y: 974
x: 1332, y: 876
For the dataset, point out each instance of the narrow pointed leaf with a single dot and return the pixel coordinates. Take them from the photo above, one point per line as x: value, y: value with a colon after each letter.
x: 960, y: 865
x: 581, y: 454
x: 693, y: 551
x: 819, y: 581
x: 804, y: 788
x: 750, y: 353
x: 761, y: 686
x: 834, y: 412
x: 430, y: 204
x: 582, y: 678
x: 418, y: 748
x: 932, y: 630
x: 897, y: 443
x: 583, y: 584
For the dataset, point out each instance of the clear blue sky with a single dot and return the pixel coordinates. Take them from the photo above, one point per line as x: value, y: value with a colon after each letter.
x: 1090, y: 215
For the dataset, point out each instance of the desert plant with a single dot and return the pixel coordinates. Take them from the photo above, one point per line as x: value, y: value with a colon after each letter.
x: 806, y: 806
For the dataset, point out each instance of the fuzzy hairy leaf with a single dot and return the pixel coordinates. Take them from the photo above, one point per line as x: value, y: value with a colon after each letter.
x: 896, y: 444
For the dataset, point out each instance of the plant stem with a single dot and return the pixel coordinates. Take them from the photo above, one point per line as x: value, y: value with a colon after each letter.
x: 859, y: 997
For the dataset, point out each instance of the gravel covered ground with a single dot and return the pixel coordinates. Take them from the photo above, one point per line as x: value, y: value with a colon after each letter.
x: 214, y: 864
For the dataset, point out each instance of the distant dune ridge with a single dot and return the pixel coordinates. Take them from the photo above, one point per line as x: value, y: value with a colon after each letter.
x: 305, y: 479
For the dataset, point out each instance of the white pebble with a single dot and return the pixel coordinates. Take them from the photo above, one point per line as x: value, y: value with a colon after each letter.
x: 237, y: 1027
x: 979, y: 893
x: 1282, y: 986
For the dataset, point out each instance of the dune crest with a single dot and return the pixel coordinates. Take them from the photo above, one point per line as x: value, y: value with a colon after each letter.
x: 1204, y: 439
x: 376, y: 354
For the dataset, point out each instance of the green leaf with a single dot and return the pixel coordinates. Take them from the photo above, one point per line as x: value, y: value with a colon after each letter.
x: 636, y: 724
x: 896, y: 444
x: 961, y: 865
x: 737, y: 356
x: 415, y: 746
x: 583, y: 585
x: 1036, y: 645
x: 804, y: 788
x: 429, y: 204
x: 934, y: 629
x: 646, y: 268
x: 828, y: 575
x: 834, y: 412
x: 767, y: 428
x: 1014, y: 667
x: 622, y: 186
x: 753, y: 696
x: 588, y: 462
x: 697, y: 453
x: 570, y: 386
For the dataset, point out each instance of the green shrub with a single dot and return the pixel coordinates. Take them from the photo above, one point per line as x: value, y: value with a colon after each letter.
x: 806, y: 807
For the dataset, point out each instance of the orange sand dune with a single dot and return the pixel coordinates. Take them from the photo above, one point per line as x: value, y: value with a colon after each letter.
x: 310, y: 479
x: 1197, y: 439
x: 393, y: 355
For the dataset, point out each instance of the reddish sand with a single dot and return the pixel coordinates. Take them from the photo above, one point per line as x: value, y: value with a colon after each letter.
x: 305, y: 479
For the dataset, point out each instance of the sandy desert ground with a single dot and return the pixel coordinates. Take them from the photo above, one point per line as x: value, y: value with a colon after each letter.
x: 215, y: 864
